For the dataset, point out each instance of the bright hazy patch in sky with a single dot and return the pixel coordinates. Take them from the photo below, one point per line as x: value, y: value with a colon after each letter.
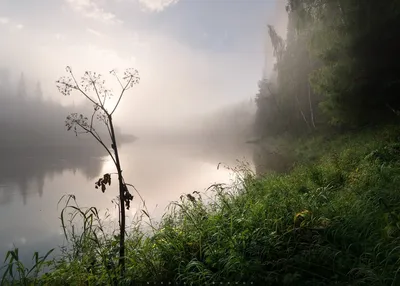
x: 193, y: 56
x: 157, y: 5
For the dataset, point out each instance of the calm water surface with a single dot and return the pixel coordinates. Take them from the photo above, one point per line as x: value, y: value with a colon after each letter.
x: 32, y: 184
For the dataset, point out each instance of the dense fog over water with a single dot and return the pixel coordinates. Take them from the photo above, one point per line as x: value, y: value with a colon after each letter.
x: 41, y: 162
x: 193, y: 108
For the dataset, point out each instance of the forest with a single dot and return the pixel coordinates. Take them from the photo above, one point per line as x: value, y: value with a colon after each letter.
x: 335, y: 72
x: 323, y: 207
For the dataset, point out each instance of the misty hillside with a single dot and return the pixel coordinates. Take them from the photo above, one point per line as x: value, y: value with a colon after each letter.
x: 231, y: 123
x: 29, y: 121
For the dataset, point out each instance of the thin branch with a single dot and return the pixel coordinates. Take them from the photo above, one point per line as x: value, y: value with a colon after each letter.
x: 120, y: 83
x: 98, y: 140
x: 97, y: 134
x: 108, y: 128
x: 91, y: 120
x: 95, y: 89
x: 105, y: 96
x: 122, y: 93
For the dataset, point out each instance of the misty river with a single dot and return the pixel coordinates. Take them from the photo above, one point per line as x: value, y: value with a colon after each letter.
x: 31, y: 186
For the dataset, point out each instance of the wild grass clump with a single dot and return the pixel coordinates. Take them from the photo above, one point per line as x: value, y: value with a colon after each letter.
x: 334, y: 222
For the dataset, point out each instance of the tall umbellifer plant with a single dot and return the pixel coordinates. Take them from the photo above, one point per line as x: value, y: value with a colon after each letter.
x: 92, y: 87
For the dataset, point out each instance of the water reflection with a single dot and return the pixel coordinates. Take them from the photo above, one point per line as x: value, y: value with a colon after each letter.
x: 31, y: 183
x: 27, y: 169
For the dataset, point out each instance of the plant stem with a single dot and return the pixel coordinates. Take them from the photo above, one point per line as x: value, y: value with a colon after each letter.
x: 121, y: 200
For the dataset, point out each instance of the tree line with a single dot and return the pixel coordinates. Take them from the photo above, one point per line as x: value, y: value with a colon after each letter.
x: 29, y: 119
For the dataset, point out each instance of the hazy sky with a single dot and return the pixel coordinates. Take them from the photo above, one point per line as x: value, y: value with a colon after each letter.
x: 192, y: 55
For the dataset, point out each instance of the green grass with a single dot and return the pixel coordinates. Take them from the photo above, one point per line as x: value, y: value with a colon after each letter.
x: 334, y: 220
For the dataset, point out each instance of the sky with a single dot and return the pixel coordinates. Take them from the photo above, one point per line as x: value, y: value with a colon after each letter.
x: 193, y: 56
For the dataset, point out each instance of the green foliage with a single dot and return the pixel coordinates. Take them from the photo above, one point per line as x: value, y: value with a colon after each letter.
x: 356, y: 42
x: 26, y: 276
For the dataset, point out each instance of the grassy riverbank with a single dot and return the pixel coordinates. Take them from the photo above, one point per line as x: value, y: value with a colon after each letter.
x: 333, y: 220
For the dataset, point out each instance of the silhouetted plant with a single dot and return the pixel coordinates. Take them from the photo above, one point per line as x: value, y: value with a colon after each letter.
x: 92, y: 82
